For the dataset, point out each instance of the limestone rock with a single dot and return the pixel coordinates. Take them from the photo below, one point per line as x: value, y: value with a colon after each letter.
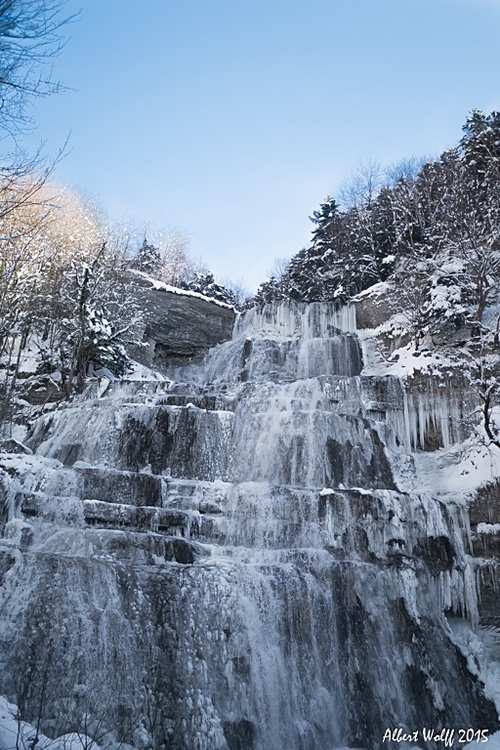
x: 175, y: 328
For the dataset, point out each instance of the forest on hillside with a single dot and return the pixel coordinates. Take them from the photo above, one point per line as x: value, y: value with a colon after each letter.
x: 432, y: 227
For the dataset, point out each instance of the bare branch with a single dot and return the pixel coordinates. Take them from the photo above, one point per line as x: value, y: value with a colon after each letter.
x: 30, y: 38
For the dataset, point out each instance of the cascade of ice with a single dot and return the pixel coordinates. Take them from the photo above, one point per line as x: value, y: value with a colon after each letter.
x: 286, y: 341
x: 288, y: 319
x: 436, y: 415
x: 233, y: 563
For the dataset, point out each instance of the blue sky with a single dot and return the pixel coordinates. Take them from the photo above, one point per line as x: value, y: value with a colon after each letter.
x: 233, y: 119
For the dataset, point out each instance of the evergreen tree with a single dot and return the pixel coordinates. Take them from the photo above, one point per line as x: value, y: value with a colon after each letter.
x: 148, y: 259
x: 269, y: 291
x: 204, y: 283
x: 325, y: 221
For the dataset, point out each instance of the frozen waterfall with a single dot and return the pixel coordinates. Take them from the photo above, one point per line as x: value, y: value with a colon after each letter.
x: 242, y: 557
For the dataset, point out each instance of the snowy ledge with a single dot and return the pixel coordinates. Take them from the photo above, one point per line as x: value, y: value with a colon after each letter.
x: 488, y: 528
x: 162, y: 286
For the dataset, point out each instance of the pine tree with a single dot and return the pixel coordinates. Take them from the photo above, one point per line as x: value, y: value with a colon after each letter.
x: 325, y: 220
x: 148, y: 259
x: 271, y: 290
x: 204, y: 283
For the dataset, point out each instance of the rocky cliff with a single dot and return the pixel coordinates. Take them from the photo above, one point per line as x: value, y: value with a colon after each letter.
x: 173, y: 326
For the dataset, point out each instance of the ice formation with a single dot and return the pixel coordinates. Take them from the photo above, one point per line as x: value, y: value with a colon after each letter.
x: 262, y: 552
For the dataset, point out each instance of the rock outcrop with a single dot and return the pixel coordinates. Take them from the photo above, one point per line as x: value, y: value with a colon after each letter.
x: 175, y: 328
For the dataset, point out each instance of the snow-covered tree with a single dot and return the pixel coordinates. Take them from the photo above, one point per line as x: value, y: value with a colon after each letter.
x: 204, y: 283
x: 325, y: 221
x: 148, y: 259
x: 89, y: 338
x: 269, y: 291
x: 446, y: 211
x: 161, y: 253
x: 362, y: 186
x: 57, y: 287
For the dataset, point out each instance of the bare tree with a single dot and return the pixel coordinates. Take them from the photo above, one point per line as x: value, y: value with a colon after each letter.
x: 30, y: 37
x: 239, y: 291
x: 407, y: 170
x: 360, y: 188
x: 278, y: 268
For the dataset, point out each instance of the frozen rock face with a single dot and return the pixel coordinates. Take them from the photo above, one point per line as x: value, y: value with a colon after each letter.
x: 245, y: 559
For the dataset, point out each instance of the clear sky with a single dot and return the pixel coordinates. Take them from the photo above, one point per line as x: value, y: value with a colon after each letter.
x: 233, y: 119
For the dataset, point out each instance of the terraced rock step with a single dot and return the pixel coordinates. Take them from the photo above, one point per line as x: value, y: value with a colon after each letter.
x: 113, y: 486
x: 141, y: 518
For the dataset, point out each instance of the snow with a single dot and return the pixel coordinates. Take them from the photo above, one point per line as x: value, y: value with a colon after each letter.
x: 141, y: 372
x: 488, y: 528
x: 20, y: 735
x: 404, y: 361
x: 458, y: 469
x: 82, y: 465
x: 161, y: 285
x: 481, y: 649
x: 26, y: 466
x: 380, y: 289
